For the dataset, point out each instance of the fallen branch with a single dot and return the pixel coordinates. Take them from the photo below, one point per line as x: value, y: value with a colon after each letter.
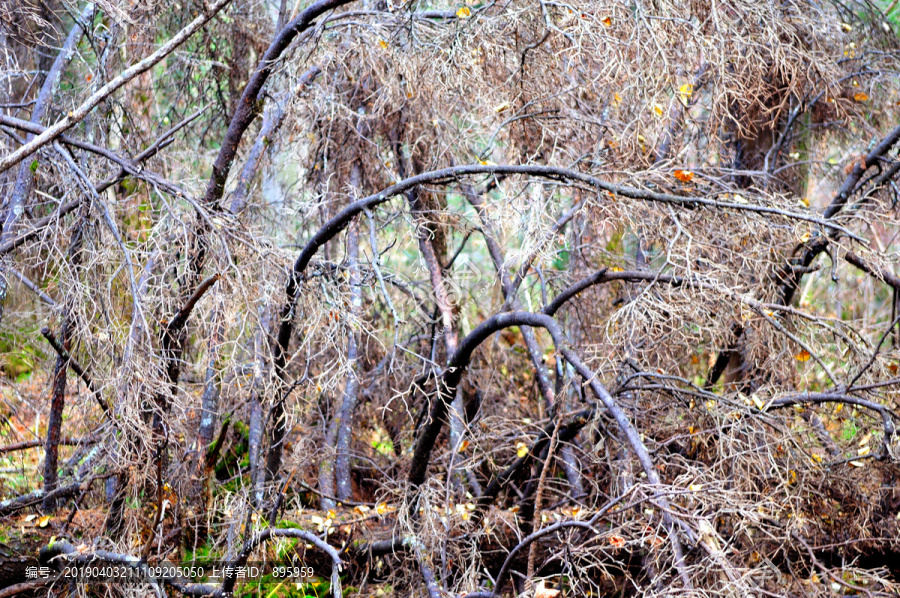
x: 30, y: 444
x: 34, y: 498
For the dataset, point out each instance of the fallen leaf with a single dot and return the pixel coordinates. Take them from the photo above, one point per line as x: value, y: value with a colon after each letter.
x: 617, y: 541
x: 464, y: 12
x: 860, y: 96
x: 607, y: 22
x: 521, y: 449
x: 802, y: 355
x: 685, y: 92
x: 463, y: 446
x: 685, y: 176
x: 44, y: 521
x: 543, y: 592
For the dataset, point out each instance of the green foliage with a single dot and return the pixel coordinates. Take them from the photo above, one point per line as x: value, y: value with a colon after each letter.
x: 21, y: 351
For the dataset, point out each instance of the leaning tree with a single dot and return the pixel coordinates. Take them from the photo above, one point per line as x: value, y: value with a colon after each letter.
x: 486, y: 298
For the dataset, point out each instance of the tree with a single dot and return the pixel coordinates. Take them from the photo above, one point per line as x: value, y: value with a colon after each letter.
x: 478, y: 298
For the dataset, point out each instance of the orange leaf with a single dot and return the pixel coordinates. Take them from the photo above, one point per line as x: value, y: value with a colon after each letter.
x: 802, y: 355
x: 617, y: 541
x: 860, y: 96
x: 607, y: 22
x: 684, y: 176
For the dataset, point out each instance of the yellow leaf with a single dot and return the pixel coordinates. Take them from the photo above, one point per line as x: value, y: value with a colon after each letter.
x: 331, y: 514
x: 802, y: 355
x: 521, y: 449
x: 464, y: 12
x: 361, y: 509
x: 846, y: 27
x: 43, y: 521
x: 696, y: 487
x: 607, y: 22
x: 758, y: 402
x: 685, y: 176
x: 463, y: 446
x: 383, y: 44
x: 501, y: 107
x: 685, y: 92
x: 616, y: 269
x: 860, y: 96
x: 805, y: 201
x: 617, y: 99
x: 738, y: 198
x: 804, y: 238
x: 857, y: 464
x: 864, y: 450
x: 658, y: 109
x: 381, y: 508
x: 816, y: 458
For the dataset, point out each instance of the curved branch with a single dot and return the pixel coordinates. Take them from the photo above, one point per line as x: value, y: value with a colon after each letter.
x: 336, y: 224
x: 249, y: 104
x: 266, y: 534
x: 452, y: 376
x: 814, y: 397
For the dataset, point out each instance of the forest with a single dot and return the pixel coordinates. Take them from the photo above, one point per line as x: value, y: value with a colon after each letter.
x: 450, y: 298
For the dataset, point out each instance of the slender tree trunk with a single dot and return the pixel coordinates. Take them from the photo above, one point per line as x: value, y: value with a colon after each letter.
x: 334, y: 469
x: 25, y: 174
x: 58, y: 397
x: 573, y: 473
x: 209, y: 403
x: 351, y: 388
